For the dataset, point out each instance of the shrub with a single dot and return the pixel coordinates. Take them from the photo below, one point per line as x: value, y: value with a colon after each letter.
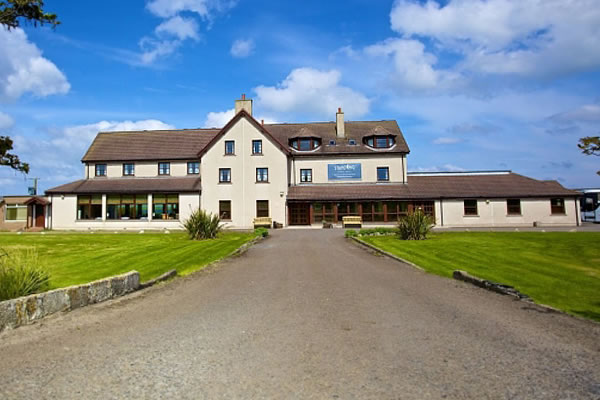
x: 21, y: 274
x: 202, y: 225
x: 264, y: 232
x: 350, y: 233
x: 415, y: 226
x: 377, y: 231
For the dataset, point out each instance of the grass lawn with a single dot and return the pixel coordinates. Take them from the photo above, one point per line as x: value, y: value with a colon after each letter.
x: 75, y: 258
x: 561, y: 269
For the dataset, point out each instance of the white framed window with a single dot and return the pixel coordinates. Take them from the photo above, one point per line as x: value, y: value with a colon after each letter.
x: 16, y: 212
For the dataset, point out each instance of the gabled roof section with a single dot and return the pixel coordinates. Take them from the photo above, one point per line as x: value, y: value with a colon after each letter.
x: 149, y: 145
x: 326, y: 131
x: 262, y: 129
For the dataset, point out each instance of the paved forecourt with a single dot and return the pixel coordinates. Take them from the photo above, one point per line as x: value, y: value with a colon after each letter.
x: 305, y: 314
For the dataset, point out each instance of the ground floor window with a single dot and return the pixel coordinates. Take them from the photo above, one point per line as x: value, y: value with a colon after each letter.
x: 16, y: 212
x: 165, y: 206
x: 470, y: 207
x: 370, y: 211
x: 89, y: 207
x: 513, y: 206
x: 262, y: 208
x: 127, y: 206
x: 225, y: 210
x: 557, y: 206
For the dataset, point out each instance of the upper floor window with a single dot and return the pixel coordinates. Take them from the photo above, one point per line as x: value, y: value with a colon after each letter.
x: 383, y: 173
x: 379, y: 142
x: 305, y: 144
x: 129, y: 169
x: 557, y: 206
x: 224, y: 175
x: 229, y: 147
x: 306, y: 175
x: 164, y: 168
x: 470, y: 207
x: 193, y: 168
x: 100, y: 169
x: 513, y: 206
x: 262, y: 175
x: 257, y: 146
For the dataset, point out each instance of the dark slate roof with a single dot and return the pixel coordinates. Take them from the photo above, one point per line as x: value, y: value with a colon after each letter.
x: 191, y: 143
x: 356, y: 130
x: 509, y: 185
x: 149, y: 145
x: 129, y: 185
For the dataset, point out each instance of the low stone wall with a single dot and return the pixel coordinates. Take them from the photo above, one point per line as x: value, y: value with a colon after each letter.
x: 24, y: 310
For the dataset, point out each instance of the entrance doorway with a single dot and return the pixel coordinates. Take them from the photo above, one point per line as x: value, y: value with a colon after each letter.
x: 299, y: 213
x: 39, y: 216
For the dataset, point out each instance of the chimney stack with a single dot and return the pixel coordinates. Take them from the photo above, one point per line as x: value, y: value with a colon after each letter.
x: 243, y: 104
x: 340, y: 128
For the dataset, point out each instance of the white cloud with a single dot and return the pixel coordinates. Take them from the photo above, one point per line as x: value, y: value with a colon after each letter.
x: 242, y: 48
x: 218, y: 119
x: 585, y: 113
x: 524, y: 38
x: 182, y: 28
x: 311, y: 91
x: 6, y: 121
x: 447, y: 140
x: 24, y: 70
x: 413, y: 67
x: 171, y: 34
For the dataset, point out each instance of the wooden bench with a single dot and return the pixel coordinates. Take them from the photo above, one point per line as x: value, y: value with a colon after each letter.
x: 265, y: 222
x: 352, y: 220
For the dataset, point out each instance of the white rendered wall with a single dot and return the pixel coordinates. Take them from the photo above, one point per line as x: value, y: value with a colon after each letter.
x: 143, y: 169
x: 243, y: 191
x: 493, y: 213
x: 64, y: 216
x: 319, y: 166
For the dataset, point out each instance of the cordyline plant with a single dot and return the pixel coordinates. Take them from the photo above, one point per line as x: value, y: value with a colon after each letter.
x: 202, y: 225
x: 415, y: 226
x: 21, y: 274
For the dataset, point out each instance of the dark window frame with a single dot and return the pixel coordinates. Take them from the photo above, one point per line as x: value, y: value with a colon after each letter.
x: 232, y: 152
x: 260, y: 212
x: 263, y: 177
x: 225, y: 215
x: 90, y: 206
x: 259, y: 143
x: 472, y: 209
x: 387, y: 174
x: 302, y: 175
x: 557, y: 209
x: 221, y: 176
x: 514, y: 208
x: 143, y: 200
x: 372, y: 141
x: 132, y: 169
x: 197, y: 163
x: 169, y: 208
x: 96, y: 169
x: 313, y: 143
x: 161, y: 168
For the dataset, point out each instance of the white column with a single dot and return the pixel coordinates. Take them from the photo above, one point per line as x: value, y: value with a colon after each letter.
x: 103, y: 208
x: 150, y: 207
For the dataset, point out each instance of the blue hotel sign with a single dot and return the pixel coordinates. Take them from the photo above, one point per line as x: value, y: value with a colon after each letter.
x: 343, y: 171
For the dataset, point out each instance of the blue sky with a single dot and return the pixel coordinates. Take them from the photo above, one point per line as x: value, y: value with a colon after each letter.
x: 474, y: 85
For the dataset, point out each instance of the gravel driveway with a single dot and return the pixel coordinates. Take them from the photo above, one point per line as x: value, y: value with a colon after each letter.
x: 305, y: 314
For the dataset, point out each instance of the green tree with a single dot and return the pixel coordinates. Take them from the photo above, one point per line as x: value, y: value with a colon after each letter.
x: 11, y: 160
x: 13, y: 11
x: 590, y: 145
x: 11, y: 14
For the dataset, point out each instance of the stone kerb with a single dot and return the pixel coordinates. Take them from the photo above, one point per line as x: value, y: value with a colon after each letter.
x: 25, y: 310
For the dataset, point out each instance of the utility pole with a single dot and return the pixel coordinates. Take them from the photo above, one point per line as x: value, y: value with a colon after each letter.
x: 33, y: 189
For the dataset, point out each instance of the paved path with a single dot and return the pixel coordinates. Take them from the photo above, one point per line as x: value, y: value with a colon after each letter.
x: 305, y: 314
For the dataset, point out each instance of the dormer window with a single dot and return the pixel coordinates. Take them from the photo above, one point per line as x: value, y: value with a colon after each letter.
x: 332, y: 142
x: 379, y: 142
x: 305, y: 144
